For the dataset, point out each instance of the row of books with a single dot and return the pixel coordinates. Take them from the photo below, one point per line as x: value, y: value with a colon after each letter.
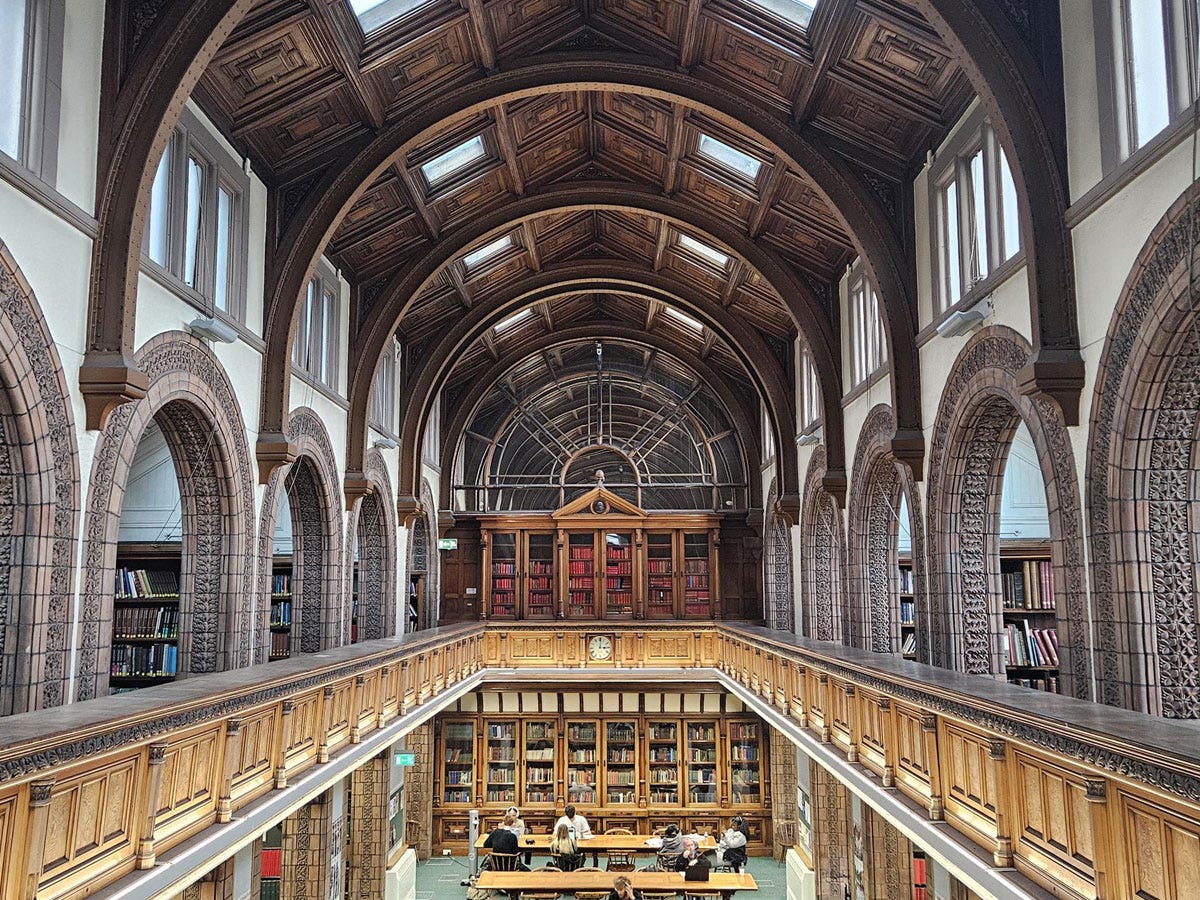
x: 905, y: 580
x: 907, y: 612
x: 281, y: 645
x: 1045, y: 682
x: 908, y: 646
x: 581, y: 552
x: 281, y: 613
x: 146, y: 583
x: 1030, y: 587
x: 540, y: 567
x: 504, y: 568
x: 281, y: 585
x: 697, y: 582
x: 145, y: 622
x: 580, y: 567
x: 503, y: 584
x: 1025, y: 646
x: 659, y: 566
x: 696, y: 566
x: 619, y: 567
x: 144, y: 660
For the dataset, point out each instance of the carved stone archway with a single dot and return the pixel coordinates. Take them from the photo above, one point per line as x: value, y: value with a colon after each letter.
x: 777, y: 545
x: 1142, y: 472
x: 979, y: 414
x: 192, y: 400
x: 320, y: 605
x: 821, y: 556
x: 877, y: 484
x: 371, y: 525
x: 39, y: 503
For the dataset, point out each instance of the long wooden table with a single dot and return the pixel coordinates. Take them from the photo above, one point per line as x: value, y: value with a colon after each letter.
x: 630, y: 843
x: 727, y: 883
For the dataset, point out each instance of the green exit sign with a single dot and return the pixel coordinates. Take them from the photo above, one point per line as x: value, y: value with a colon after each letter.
x: 447, y: 543
x: 406, y: 759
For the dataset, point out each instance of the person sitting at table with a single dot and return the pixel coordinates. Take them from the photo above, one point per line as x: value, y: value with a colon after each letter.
x: 690, y: 856
x: 732, y: 846
x: 578, y: 824
x: 564, y: 849
x: 502, y: 840
x: 668, y: 851
x: 623, y: 889
x: 518, y: 828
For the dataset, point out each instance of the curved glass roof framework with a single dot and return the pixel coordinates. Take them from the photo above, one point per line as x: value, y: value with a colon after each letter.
x: 659, y: 434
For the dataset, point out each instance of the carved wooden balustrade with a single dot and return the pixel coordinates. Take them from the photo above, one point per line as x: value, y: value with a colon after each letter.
x: 1085, y: 800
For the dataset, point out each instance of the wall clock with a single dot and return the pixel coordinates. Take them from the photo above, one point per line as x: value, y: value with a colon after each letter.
x: 600, y: 647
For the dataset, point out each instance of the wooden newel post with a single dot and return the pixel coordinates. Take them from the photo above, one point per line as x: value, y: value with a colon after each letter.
x: 145, y: 845
x: 888, y: 778
x: 356, y: 704
x: 929, y: 727
x: 233, y: 753
x: 852, y: 722
x: 1002, y: 855
x: 39, y: 818
x: 1096, y: 792
x: 327, y: 719
x: 826, y: 706
x: 285, y: 742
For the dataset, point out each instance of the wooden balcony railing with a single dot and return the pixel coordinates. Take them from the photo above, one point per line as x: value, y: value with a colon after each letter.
x: 1085, y: 800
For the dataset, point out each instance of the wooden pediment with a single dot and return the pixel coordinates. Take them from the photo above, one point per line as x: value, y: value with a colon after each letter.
x: 599, y: 501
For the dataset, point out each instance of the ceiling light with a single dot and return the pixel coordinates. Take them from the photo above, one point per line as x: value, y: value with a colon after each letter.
x: 475, y: 257
x: 454, y: 160
x: 684, y: 318
x: 373, y: 14
x: 729, y: 157
x: 798, y: 12
x: 513, y: 319
x: 705, y: 252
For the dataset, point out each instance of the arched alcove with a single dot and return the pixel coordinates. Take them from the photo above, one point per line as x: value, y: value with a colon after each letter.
x: 821, y: 556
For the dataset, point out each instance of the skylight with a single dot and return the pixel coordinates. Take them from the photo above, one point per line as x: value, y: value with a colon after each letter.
x: 798, y: 12
x: 374, y: 14
x: 684, y: 318
x: 705, y: 252
x: 475, y: 257
x: 514, y: 319
x: 454, y: 160
x: 727, y: 156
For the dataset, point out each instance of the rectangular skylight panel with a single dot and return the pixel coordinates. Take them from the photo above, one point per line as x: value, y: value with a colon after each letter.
x: 374, y: 14
x: 454, y: 160
x: 798, y: 12
x: 705, y: 252
x: 684, y: 318
x: 475, y: 257
x: 729, y: 157
x: 514, y: 319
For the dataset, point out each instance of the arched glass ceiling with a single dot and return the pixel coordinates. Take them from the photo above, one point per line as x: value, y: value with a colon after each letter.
x: 659, y: 434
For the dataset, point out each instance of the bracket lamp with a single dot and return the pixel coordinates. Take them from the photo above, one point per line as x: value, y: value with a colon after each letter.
x: 807, y: 439
x: 966, y: 321
x: 385, y: 443
x: 213, y: 329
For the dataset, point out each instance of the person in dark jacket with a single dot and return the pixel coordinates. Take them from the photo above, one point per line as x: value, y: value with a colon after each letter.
x: 623, y: 890
x: 691, y: 856
x: 504, y: 840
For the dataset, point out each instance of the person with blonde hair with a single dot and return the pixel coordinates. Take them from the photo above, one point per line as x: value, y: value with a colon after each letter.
x: 623, y: 889
x: 564, y: 849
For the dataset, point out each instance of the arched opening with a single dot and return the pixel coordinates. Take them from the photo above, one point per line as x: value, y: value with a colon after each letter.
x: 781, y: 607
x: 282, y: 545
x: 821, y: 555
x: 312, y: 626
x: 419, y: 613
x: 373, y: 614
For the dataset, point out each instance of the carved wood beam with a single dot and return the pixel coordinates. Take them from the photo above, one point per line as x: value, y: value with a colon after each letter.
x: 660, y: 249
x: 828, y: 32
x: 508, y: 149
x: 455, y: 272
x: 737, y: 271
x: 689, y: 44
x: 653, y: 308
x: 338, y: 19
x: 489, y: 343
x: 546, y: 314
x: 411, y: 193
x: 772, y: 184
x: 710, y: 341
x: 531, y: 247
x: 482, y: 31
x: 674, y: 149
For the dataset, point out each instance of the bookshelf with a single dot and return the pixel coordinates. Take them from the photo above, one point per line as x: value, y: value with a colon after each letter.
x: 281, y: 607
x: 697, y: 583
x: 919, y: 876
x: 271, y: 863
x: 354, y: 598
x: 145, y: 643
x: 907, y: 607
x: 539, y: 582
x: 581, y: 576
x: 500, y: 778
x: 618, y: 575
x: 745, y: 764
x: 504, y: 576
x: 540, y: 742
x: 662, y: 761
x: 1029, y: 612
x: 581, y: 762
x: 620, y: 763
x: 702, y: 763
x: 660, y: 588
x: 458, y: 762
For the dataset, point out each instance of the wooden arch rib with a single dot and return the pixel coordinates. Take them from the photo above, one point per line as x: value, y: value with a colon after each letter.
x: 744, y: 424
x: 765, y: 373
x: 874, y: 233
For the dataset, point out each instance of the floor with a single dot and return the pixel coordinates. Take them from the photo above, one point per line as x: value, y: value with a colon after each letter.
x: 438, y: 879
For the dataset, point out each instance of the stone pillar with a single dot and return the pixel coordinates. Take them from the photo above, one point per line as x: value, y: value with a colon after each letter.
x: 831, y: 834
x: 888, y: 859
x: 783, y: 793
x: 369, y: 828
x: 418, y: 790
x: 304, y: 872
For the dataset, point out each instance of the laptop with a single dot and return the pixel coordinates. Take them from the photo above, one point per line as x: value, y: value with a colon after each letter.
x: 698, y: 872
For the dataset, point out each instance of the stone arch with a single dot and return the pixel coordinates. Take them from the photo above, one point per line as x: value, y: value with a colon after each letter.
x: 878, y: 482
x: 821, y: 555
x: 39, y: 502
x: 980, y: 410
x: 1141, y: 478
x: 372, y: 522
x: 192, y: 400
x: 423, y: 555
x: 320, y: 614
x: 777, y: 556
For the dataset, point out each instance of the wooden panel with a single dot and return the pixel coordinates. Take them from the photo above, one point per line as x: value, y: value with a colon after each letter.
x: 190, y: 772
x: 666, y: 649
x: 1162, y: 850
x: 912, y: 762
x: 872, y: 737
x: 252, y: 771
x: 970, y: 786
x: 341, y: 711
x: 305, y: 727
x: 1053, y: 820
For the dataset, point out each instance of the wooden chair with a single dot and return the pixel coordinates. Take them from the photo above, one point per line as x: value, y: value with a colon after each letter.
x: 504, y: 862
x: 617, y: 831
x: 666, y: 862
x: 701, y: 894
x: 595, y: 895
x: 619, y: 861
x: 659, y: 895
x: 542, y: 895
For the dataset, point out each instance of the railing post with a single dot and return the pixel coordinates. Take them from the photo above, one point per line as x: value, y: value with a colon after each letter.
x: 801, y: 679
x: 1096, y: 791
x: 356, y: 702
x: 402, y: 687
x: 929, y: 728
x: 39, y: 817
x: 233, y: 752
x: 852, y: 721
x: 888, y: 778
x: 327, y: 720
x: 156, y: 755
x: 285, y: 741
x: 385, y: 684
x: 1003, y: 852
x: 826, y: 706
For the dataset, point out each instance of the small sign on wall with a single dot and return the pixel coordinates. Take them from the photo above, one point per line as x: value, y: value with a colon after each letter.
x: 471, y: 592
x: 406, y: 759
x: 447, y: 543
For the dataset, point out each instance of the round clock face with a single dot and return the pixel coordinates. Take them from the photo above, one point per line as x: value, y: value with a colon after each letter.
x: 600, y: 647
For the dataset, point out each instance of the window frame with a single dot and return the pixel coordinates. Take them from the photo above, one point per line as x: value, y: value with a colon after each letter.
x: 811, y: 407
x: 40, y: 90
x: 868, y: 339
x: 321, y: 363
x: 382, y: 408
x: 191, y: 140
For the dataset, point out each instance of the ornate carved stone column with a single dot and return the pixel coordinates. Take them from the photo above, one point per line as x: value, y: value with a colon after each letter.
x: 888, y: 859
x: 831, y: 826
x: 306, y: 851
x: 369, y: 832
x: 418, y: 789
x: 783, y: 794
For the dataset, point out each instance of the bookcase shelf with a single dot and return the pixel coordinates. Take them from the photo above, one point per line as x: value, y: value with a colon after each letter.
x: 907, y: 608
x: 1029, y: 612
x: 146, y: 614
x: 281, y: 607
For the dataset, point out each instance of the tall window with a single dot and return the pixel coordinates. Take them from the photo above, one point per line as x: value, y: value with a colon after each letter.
x: 196, y: 229
x: 1154, y: 67
x: 810, y: 392
x: 31, y: 41
x: 978, y: 224
x: 315, y: 349
x: 433, y: 433
x: 868, y: 342
x: 383, y: 391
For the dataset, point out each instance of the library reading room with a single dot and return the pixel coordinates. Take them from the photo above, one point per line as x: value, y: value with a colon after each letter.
x: 600, y: 449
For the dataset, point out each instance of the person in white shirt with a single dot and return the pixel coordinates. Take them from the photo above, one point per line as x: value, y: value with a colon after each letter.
x: 577, y: 824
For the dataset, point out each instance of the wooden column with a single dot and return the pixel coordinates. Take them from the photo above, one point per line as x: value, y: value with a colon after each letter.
x: 156, y: 754
x: 929, y: 728
x: 327, y: 724
x: 888, y: 777
x: 1107, y: 886
x: 826, y: 706
x: 853, y: 723
x: 232, y: 759
x: 356, y: 703
x: 287, y: 707
x: 40, y: 793
x: 1002, y: 853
